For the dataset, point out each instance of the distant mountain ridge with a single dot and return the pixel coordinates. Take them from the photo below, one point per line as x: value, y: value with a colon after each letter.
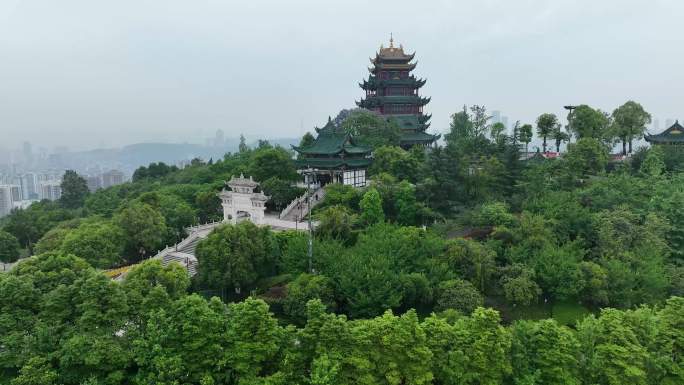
x: 132, y: 156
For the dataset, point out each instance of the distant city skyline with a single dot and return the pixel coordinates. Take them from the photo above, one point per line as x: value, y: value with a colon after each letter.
x: 105, y: 74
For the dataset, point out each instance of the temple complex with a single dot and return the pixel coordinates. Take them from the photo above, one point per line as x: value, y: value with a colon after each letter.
x: 392, y: 91
x: 672, y: 136
x: 334, y: 157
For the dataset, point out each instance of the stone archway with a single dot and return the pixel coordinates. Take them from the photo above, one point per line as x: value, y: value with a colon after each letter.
x: 241, y: 202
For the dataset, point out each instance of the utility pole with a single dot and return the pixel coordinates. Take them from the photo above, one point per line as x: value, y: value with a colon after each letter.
x: 309, y: 174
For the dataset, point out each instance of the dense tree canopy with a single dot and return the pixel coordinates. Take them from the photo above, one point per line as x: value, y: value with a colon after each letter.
x: 465, y: 263
x: 9, y: 247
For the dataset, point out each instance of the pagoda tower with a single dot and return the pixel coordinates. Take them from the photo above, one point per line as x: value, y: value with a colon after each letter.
x: 392, y: 91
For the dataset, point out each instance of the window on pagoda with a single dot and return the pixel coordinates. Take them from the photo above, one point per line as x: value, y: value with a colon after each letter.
x: 398, y: 91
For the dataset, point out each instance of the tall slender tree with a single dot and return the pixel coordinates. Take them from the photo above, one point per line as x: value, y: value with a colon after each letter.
x: 559, y: 136
x: 74, y: 190
x: 526, y: 134
x: 545, y: 125
x: 629, y: 123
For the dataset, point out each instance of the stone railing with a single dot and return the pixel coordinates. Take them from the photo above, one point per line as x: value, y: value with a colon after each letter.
x: 316, y: 196
x: 205, y: 226
x: 292, y: 206
x: 192, y: 230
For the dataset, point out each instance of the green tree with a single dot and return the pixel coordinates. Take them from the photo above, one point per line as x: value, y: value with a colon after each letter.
x: 654, y: 163
x: 460, y: 295
x: 74, y: 190
x: 336, y: 222
x: 546, y: 123
x: 305, y: 288
x: 101, y: 244
x: 587, y: 156
x: 369, y: 285
x: 103, y: 202
x: 242, y: 147
x: 519, y: 286
x: 168, y: 350
x: 630, y: 120
x: 526, y: 135
x: 472, y: 260
x: 272, y: 162
x: 397, y: 162
x: 208, y: 206
x: 371, y: 129
x: 282, y: 192
x: 37, y: 371
x: 150, y: 286
x: 307, y: 140
x: 235, y: 256
x: 472, y: 351
x: 612, y: 352
x: 587, y: 122
x: 544, y: 352
x: 9, y: 247
x: 371, y: 207
x: 497, y: 132
x: 30, y: 224
x: 559, y: 136
x: 144, y: 227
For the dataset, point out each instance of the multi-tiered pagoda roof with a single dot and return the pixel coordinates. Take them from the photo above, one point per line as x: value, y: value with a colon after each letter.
x: 392, y: 91
x: 673, y: 135
x: 333, y: 148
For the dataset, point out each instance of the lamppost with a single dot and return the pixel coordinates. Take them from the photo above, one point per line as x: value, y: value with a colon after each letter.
x: 309, y: 174
x: 570, y: 110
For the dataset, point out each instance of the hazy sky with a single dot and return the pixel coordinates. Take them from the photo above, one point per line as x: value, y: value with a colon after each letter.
x: 88, y: 73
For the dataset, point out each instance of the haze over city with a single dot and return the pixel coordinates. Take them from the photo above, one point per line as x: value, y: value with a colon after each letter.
x: 87, y: 74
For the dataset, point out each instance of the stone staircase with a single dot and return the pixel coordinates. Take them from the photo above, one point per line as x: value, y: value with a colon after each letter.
x: 298, y: 209
x: 188, y: 261
x: 184, y: 251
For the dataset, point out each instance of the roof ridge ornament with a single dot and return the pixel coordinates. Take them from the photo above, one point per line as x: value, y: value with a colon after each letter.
x: 391, y: 40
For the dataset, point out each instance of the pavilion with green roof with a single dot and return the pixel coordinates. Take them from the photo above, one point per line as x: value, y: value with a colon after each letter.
x: 334, y: 157
x: 672, y: 136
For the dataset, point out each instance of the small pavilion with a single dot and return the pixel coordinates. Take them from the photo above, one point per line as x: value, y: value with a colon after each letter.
x: 672, y: 136
x: 334, y: 157
x: 241, y: 202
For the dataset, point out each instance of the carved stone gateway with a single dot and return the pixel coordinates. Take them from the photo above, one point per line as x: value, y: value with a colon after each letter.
x: 241, y: 202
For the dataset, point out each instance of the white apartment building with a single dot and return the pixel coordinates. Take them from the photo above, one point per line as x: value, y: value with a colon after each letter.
x: 6, y: 201
x: 50, y: 190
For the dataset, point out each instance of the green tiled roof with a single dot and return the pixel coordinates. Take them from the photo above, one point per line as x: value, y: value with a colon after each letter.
x: 333, y: 163
x: 416, y: 137
x: 412, y: 122
x: 673, y: 135
x: 332, y: 140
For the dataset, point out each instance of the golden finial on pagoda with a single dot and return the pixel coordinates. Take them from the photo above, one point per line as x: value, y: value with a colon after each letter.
x: 391, y: 40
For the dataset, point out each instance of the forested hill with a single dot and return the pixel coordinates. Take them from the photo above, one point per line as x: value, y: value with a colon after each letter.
x: 467, y: 263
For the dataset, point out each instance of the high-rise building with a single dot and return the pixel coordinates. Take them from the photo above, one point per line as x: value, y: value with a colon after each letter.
x: 28, y: 153
x: 15, y: 190
x: 28, y: 183
x: 94, y: 183
x: 112, y: 178
x: 50, y: 190
x: 219, y: 139
x: 392, y: 91
x: 6, y: 202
